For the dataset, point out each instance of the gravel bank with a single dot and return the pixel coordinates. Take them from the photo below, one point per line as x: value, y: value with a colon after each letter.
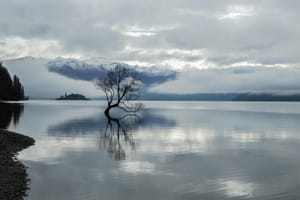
x: 13, y: 175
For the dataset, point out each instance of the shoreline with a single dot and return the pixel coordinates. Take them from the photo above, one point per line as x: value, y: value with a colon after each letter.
x: 13, y: 175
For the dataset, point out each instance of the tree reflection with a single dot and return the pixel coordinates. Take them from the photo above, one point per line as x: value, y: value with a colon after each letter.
x: 117, y: 133
x: 10, y: 112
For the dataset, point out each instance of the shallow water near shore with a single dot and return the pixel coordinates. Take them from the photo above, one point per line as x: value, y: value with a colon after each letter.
x: 175, y: 150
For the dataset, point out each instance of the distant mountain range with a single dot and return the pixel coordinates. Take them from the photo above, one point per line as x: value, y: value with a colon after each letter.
x: 189, y: 97
x: 222, y: 97
x: 49, y: 78
x: 83, y: 70
x: 266, y: 97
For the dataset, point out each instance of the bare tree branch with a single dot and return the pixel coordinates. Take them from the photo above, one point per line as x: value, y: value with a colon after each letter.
x: 120, y: 85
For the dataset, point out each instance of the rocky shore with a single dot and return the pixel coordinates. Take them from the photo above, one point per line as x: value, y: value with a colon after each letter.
x: 13, y: 176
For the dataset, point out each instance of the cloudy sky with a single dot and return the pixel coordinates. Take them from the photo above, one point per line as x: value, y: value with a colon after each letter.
x: 178, y: 34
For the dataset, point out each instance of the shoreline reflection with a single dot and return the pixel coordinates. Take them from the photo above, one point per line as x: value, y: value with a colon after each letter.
x: 10, y: 113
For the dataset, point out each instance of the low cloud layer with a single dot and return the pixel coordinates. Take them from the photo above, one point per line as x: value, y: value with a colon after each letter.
x: 39, y: 82
x: 239, y: 80
x: 85, y: 71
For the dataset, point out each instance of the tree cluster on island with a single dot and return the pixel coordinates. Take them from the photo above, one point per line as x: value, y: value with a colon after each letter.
x: 72, y: 97
x: 11, y: 89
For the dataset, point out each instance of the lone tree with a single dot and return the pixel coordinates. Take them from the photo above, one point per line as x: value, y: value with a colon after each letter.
x: 120, y: 85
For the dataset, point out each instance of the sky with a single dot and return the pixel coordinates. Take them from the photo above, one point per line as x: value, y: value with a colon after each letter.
x: 238, y: 45
x: 172, y: 33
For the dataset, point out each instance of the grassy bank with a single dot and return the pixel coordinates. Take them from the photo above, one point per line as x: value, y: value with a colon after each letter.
x: 13, y: 175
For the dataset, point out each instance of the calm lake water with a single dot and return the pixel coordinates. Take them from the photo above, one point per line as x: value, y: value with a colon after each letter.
x: 175, y: 150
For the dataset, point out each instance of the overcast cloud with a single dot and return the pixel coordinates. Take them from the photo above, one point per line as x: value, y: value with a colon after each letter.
x: 172, y: 33
x: 178, y: 34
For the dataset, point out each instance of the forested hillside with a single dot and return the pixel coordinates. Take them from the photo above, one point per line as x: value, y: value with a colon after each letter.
x: 10, y: 88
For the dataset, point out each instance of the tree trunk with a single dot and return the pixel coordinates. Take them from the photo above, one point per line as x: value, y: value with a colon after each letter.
x: 106, y: 112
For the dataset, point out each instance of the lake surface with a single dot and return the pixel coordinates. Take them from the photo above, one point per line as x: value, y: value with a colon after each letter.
x: 174, y: 150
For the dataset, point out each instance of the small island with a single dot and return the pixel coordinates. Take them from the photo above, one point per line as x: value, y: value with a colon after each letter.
x: 72, y: 97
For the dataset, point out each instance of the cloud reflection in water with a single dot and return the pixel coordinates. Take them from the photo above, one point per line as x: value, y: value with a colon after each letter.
x: 171, y: 154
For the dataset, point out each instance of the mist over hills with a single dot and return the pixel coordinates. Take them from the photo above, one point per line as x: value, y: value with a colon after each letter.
x: 49, y: 78
x: 81, y: 70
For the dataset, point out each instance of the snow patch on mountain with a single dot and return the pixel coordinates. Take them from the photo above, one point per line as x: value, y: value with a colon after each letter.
x: 90, y: 71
